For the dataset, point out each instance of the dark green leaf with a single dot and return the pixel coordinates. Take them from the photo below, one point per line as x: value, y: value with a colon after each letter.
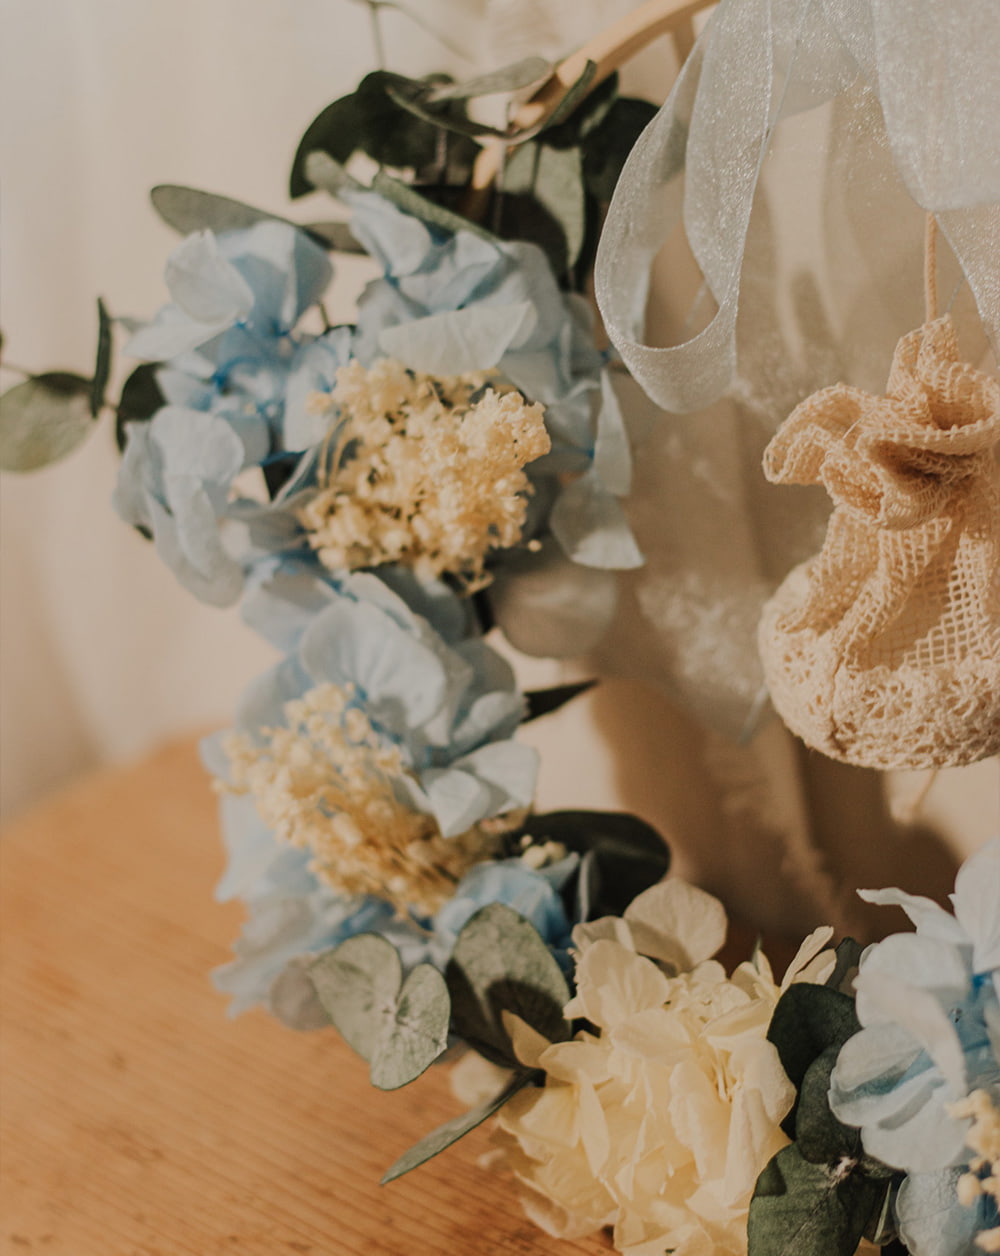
x: 543, y: 201
x: 629, y: 854
x: 370, y: 121
x: 438, y: 1140
x: 808, y: 1019
x: 412, y: 98
x: 544, y: 701
x: 102, y: 364
x: 500, y: 963
x: 570, y: 129
x: 802, y: 1209
x: 43, y: 419
x: 417, y: 1033
x: 510, y: 78
x: 607, y: 146
x: 411, y: 202
x: 141, y: 398
x: 881, y: 1226
x: 848, y: 959
x: 357, y: 983
x: 576, y: 93
x: 819, y: 1136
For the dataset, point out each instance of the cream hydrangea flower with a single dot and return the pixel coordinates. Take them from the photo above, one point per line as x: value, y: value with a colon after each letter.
x: 660, y: 1121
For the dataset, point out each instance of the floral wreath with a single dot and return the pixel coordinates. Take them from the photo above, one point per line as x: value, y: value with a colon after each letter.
x: 377, y: 497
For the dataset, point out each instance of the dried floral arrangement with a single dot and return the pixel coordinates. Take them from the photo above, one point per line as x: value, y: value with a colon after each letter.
x: 375, y: 497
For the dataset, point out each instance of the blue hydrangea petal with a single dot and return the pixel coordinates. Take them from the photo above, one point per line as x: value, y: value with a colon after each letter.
x: 931, y: 1220
x: 590, y: 525
x: 977, y: 905
x: 314, y: 370
x: 506, y: 881
x: 911, y: 960
x: 612, y: 455
x: 401, y: 681
x: 214, y: 576
x: 919, y: 1013
x: 929, y: 917
x: 283, y: 599
x: 262, y: 704
x: 397, y: 241
x: 458, y: 341
x: 285, y: 271
x: 131, y: 495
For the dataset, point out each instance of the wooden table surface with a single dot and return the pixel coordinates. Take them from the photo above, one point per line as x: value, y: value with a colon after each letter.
x: 137, y: 1120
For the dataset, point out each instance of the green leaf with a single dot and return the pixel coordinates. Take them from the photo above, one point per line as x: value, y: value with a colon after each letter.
x: 629, y: 855
x: 819, y: 1136
x: 802, y: 1209
x: 510, y: 78
x: 543, y: 201
x: 102, y: 365
x: 808, y: 1019
x: 43, y: 419
x: 411, y: 202
x: 371, y: 121
x: 881, y: 1226
x: 570, y: 129
x: 189, y: 209
x: 358, y: 982
x: 327, y: 174
x: 440, y: 1139
x: 141, y: 398
x: 500, y: 963
x: 848, y: 958
x: 399, y: 1027
x: 417, y: 1033
x: 545, y: 701
x: 607, y: 146
x: 576, y: 93
x: 335, y: 235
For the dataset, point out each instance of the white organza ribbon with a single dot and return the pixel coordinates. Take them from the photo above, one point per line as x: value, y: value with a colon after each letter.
x: 934, y: 66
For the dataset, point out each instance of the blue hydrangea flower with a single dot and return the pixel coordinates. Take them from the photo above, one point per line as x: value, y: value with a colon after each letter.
x: 929, y: 1005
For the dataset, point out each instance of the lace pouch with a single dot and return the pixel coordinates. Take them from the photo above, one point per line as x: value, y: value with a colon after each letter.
x: 884, y: 649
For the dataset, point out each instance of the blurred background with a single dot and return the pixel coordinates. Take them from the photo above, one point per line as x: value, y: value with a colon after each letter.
x: 104, y: 656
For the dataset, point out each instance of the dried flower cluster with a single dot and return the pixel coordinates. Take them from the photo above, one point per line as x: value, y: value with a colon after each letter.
x: 324, y: 783
x: 983, y: 1177
x: 424, y: 471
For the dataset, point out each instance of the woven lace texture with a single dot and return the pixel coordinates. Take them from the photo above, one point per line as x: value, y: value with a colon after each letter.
x: 884, y: 649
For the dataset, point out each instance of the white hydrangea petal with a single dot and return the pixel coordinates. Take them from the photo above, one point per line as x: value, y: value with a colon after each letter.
x: 977, y: 905
x: 681, y: 914
x: 607, y: 928
x: 529, y: 1045
x: 613, y: 983
x: 811, y: 950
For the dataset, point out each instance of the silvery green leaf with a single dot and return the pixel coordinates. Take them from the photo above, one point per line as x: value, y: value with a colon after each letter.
x: 335, y: 235
x: 417, y: 1032
x: 473, y: 339
x: 102, y: 366
x: 500, y: 963
x: 330, y: 176
x: 410, y: 201
x: 510, y: 78
x: 438, y: 1140
x: 550, y: 180
x: 189, y: 209
x: 357, y: 983
x: 43, y: 419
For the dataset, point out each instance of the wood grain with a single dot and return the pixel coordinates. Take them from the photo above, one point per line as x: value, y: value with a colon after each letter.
x: 137, y: 1120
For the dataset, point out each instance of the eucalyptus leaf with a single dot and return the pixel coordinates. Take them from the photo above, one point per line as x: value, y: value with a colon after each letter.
x: 543, y: 200
x: 43, y: 420
x: 848, y: 958
x: 545, y: 701
x: 102, y: 364
x: 808, y: 1019
x: 189, y: 209
x: 570, y: 130
x: 358, y: 983
x: 819, y: 1136
x: 510, y: 78
x: 440, y: 1139
x: 335, y: 235
x: 399, y: 1027
x: 575, y: 94
x: 411, y: 202
x: 328, y: 175
x: 607, y: 146
x: 412, y: 98
x: 140, y: 399
x: 803, y: 1209
x: 500, y: 963
x: 881, y: 1227
x: 292, y: 997
x: 417, y: 1033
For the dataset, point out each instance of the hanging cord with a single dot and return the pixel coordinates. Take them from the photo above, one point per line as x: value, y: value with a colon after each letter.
x: 608, y: 51
x: 930, y: 270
